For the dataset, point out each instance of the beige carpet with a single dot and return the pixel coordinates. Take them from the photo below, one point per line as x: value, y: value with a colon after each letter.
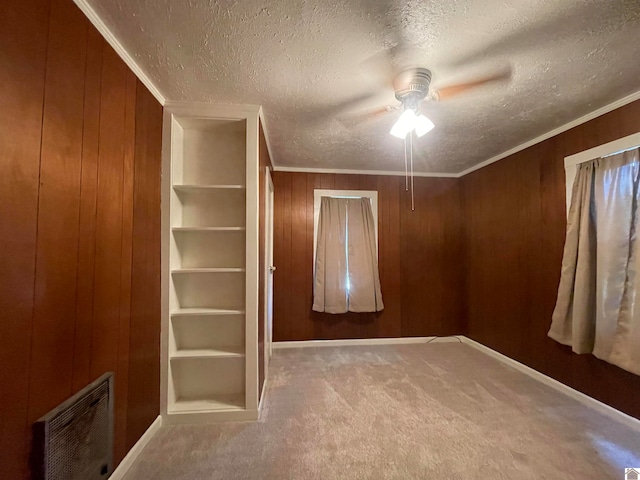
x: 436, y: 411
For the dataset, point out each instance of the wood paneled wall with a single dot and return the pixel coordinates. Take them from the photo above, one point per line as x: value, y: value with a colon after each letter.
x: 515, y: 218
x: 419, y: 259
x: 80, y: 141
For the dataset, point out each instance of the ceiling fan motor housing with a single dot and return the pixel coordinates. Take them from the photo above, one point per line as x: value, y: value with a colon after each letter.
x: 412, y: 86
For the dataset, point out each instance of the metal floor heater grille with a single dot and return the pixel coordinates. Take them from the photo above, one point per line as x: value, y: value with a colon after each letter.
x: 74, y: 441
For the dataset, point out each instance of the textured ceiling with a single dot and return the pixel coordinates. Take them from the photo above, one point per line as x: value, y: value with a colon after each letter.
x: 299, y: 59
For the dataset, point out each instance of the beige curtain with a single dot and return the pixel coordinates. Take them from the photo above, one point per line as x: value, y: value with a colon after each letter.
x: 596, y: 309
x: 346, y: 270
x: 330, y: 287
x: 362, y: 266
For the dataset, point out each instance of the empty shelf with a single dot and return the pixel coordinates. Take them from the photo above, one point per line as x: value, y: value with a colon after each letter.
x: 209, y: 270
x: 208, y: 229
x: 205, y: 311
x: 190, y: 188
x: 232, y: 351
x: 216, y: 403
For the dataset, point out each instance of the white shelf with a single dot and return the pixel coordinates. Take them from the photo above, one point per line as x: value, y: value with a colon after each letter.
x: 233, y: 351
x: 209, y: 270
x: 218, y: 403
x: 191, y: 188
x: 224, y: 290
x: 209, y: 249
x: 184, y: 312
x: 208, y: 229
x: 209, y: 361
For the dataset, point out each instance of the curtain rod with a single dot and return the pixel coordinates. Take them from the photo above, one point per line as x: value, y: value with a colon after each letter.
x: 617, y: 146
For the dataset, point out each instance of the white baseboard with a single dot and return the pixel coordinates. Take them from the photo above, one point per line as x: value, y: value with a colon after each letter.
x: 365, y: 341
x: 264, y: 394
x: 603, y: 408
x: 127, y: 461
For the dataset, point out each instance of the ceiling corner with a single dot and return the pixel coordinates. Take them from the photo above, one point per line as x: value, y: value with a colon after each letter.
x: 104, y: 30
x: 556, y: 131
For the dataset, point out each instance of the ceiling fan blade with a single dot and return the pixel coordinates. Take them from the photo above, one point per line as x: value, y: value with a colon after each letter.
x: 357, y: 118
x: 384, y: 66
x: 379, y: 68
x: 445, y: 93
x: 323, y: 113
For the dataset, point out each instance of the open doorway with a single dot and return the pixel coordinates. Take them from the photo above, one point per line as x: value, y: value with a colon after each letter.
x: 269, y: 271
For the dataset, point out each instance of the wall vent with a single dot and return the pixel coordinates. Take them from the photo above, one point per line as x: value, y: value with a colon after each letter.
x: 74, y: 441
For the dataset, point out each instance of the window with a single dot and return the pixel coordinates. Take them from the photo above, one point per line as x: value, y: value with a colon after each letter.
x: 346, y: 252
x: 372, y: 195
x: 596, y: 310
x: 571, y: 162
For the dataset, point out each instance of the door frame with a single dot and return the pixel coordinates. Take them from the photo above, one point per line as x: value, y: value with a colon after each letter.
x: 268, y: 275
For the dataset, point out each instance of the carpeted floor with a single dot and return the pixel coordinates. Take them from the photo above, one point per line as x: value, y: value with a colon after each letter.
x: 436, y: 411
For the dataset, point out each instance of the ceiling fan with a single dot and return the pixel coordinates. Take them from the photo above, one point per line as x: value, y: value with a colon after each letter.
x: 412, y: 90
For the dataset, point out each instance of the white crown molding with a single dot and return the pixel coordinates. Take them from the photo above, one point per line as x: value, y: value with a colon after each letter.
x: 361, y: 172
x: 97, y: 22
x: 263, y: 122
x: 219, y: 110
x: 556, y: 131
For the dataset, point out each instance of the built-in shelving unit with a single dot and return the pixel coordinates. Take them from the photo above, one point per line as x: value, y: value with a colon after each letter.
x: 207, y: 270
x: 210, y: 331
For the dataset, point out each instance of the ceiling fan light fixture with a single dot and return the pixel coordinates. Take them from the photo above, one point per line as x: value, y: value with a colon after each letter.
x: 423, y: 125
x: 404, y: 124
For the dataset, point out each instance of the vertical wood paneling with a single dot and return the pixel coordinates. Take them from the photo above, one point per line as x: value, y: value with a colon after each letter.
x: 392, y: 246
x: 106, y: 301
x: 73, y: 168
x: 58, y: 211
x: 88, y: 196
x: 430, y: 258
x: 286, y: 251
x: 433, y: 263
x: 278, y: 242
x: 313, y: 181
x: 299, y: 261
x: 551, y: 207
x: 144, y: 340
x: 23, y: 35
x: 515, y: 221
x: 282, y: 254
x: 553, y: 199
x: 125, y: 266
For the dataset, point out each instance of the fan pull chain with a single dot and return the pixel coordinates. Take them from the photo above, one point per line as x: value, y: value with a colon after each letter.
x: 406, y: 170
x: 413, y: 207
